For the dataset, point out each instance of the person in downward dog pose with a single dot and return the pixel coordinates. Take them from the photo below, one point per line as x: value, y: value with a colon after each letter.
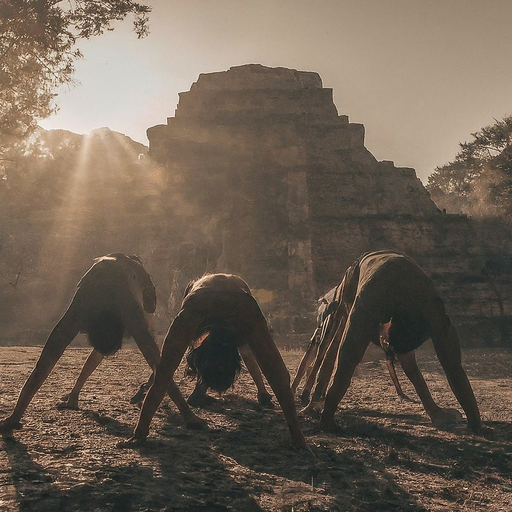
x: 385, y: 297
x: 111, y: 302
x: 323, y: 339
x: 221, y: 316
x: 201, y: 364
x: 198, y: 361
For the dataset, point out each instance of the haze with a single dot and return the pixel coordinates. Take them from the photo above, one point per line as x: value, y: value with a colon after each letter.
x: 421, y: 76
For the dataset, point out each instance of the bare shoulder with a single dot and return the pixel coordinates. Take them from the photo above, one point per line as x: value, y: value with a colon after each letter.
x: 220, y: 282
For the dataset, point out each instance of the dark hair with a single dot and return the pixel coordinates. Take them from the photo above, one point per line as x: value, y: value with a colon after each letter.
x: 105, y: 331
x: 408, y: 331
x: 149, y: 299
x: 216, y: 361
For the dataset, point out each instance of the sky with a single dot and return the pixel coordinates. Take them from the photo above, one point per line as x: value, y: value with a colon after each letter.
x: 421, y: 75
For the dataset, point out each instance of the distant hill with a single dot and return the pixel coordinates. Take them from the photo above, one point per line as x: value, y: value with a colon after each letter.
x: 64, y: 200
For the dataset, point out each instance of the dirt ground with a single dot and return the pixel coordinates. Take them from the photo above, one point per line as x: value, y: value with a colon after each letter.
x: 384, y: 455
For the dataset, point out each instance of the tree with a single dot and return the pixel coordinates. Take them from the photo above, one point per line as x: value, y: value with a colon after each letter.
x: 479, y: 180
x: 38, y: 50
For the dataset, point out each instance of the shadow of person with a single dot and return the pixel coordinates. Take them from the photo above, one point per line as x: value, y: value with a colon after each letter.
x: 33, y: 485
x: 183, y: 479
x: 361, y: 462
x: 257, y: 445
x: 35, y: 489
x: 111, y: 425
x: 188, y: 474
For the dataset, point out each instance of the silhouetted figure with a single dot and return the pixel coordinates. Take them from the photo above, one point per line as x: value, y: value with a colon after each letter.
x: 322, y: 339
x: 110, y: 303
x: 385, y: 297
x: 220, y: 314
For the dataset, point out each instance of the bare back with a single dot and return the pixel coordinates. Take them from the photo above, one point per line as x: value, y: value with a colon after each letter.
x: 218, y: 282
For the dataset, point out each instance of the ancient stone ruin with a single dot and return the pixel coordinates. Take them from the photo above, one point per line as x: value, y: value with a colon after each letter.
x: 273, y: 184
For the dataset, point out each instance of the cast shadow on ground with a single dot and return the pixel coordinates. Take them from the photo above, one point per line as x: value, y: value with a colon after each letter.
x: 261, y: 443
x: 127, y: 487
x: 190, y: 475
x: 464, y: 455
x: 247, y: 450
x: 36, y: 490
x: 408, y: 442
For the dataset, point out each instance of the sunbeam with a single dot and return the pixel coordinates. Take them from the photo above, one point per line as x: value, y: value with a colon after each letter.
x: 68, y: 224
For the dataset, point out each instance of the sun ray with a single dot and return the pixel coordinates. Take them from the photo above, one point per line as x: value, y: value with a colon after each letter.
x: 58, y: 252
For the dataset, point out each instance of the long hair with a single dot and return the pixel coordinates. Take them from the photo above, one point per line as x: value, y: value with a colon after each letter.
x: 216, y: 360
x: 105, y: 331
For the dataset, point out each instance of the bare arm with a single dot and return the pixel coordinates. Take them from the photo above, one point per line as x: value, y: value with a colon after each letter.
x: 175, y: 345
x: 390, y: 363
x: 447, y: 347
x: 251, y: 364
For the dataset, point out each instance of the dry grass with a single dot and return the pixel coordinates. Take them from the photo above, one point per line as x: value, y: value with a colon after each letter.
x: 384, y: 455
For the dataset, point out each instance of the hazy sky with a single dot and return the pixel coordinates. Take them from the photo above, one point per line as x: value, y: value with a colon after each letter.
x: 421, y: 75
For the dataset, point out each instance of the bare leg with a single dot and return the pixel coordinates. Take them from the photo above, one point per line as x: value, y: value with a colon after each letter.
x: 138, y: 398
x: 189, y: 417
x: 149, y: 306
x: 60, y: 337
x: 145, y: 341
x: 440, y: 417
x: 70, y: 401
x: 150, y: 351
x: 264, y: 397
x: 447, y: 348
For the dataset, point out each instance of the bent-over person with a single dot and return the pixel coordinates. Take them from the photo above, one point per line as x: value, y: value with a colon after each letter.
x: 222, y: 306
x: 385, y: 297
x: 324, y: 346
x: 110, y: 303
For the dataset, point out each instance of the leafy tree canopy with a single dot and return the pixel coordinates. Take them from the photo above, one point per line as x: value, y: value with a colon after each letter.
x: 38, y: 51
x: 479, y: 180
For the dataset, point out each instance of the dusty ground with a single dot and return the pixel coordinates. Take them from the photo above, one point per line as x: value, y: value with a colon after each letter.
x: 383, y: 457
